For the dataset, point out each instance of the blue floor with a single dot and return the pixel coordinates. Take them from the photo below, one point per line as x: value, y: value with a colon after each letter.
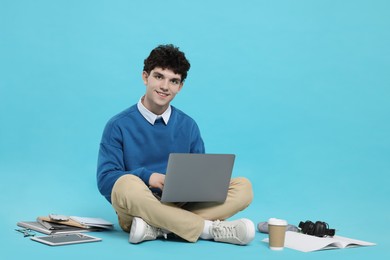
x: 298, y: 90
x: 359, y: 212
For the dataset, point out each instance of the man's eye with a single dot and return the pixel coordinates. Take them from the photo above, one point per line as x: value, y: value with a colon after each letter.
x: 175, y: 82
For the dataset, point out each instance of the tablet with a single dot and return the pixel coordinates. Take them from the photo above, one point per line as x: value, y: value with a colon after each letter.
x: 66, y: 239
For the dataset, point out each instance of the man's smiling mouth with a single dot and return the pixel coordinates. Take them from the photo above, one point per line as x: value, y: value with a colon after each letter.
x: 162, y: 94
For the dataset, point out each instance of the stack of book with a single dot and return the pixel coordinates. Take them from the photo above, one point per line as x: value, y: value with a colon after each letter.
x: 53, y: 225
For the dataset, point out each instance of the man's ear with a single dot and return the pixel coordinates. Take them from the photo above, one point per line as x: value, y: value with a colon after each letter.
x: 145, y: 76
x: 181, y: 86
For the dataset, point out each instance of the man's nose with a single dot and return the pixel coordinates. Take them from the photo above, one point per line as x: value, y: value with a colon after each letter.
x: 164, y: 85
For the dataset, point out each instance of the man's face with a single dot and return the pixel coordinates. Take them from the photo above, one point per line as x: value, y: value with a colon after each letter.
x: 162, y: 85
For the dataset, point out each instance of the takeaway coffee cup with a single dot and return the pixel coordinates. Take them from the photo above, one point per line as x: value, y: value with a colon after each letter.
x: 277, y: 233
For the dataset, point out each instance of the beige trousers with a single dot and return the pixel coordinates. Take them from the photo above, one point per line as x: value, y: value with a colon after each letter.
x: 132, y: 198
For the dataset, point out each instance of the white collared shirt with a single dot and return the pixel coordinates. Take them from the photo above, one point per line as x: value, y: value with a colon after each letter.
x: 150, y: 116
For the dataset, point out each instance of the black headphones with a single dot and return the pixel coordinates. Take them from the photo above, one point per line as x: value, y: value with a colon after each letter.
x: 318, y: 229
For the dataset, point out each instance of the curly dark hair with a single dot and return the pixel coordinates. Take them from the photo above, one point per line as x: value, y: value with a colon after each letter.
x: 168, y: 57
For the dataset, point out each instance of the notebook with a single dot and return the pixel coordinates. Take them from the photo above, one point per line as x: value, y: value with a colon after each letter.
x: 197, y: 177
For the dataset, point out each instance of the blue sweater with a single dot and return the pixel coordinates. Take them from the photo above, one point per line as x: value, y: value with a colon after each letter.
x: 131, y: 145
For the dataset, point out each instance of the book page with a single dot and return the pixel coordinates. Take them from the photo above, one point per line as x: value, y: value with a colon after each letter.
x: 349, y: 242
x: 307, y: 243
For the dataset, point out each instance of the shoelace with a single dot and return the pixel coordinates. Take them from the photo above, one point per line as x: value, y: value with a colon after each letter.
x: 219, y: 230
x: 155, y: 232
x: 162, y: 233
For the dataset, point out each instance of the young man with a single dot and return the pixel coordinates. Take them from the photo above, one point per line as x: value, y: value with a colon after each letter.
x: 133, y: 158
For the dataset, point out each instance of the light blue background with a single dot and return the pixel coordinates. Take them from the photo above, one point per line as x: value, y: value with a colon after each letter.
x: 298, y: 90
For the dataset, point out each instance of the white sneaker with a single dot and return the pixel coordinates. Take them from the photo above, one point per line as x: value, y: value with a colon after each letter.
x: 239, y: 232
x: 142, y: 231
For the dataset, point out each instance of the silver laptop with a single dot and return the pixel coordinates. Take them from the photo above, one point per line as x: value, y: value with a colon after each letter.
x: 197, y: 177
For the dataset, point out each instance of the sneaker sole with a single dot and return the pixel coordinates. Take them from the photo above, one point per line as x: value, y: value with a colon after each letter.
x: 136, y: 231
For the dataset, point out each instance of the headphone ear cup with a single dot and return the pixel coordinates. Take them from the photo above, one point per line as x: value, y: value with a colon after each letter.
x: 319, y: 229
x: 303, y: 226
x: 308, y: 228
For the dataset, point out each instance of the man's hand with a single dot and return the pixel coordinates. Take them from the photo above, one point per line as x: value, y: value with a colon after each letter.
x: 156, y: 180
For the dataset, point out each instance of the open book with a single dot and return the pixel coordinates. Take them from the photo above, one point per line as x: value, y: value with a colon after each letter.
x: 307, y: 243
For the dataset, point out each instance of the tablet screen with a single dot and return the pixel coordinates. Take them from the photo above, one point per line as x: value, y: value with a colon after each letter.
x: 66, y: 239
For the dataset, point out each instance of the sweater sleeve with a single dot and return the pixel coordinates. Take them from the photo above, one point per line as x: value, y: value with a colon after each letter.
x: 111, y: 164
x: 111, y: 168
x: 197, y: 144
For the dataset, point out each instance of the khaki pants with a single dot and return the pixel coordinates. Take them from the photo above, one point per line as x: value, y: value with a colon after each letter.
x: 132, y: 198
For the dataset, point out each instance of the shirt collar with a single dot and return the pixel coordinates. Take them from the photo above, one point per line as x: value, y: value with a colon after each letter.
x: 150, y: 116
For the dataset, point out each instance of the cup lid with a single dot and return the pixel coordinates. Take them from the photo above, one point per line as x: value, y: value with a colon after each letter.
x: 277, y: 222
